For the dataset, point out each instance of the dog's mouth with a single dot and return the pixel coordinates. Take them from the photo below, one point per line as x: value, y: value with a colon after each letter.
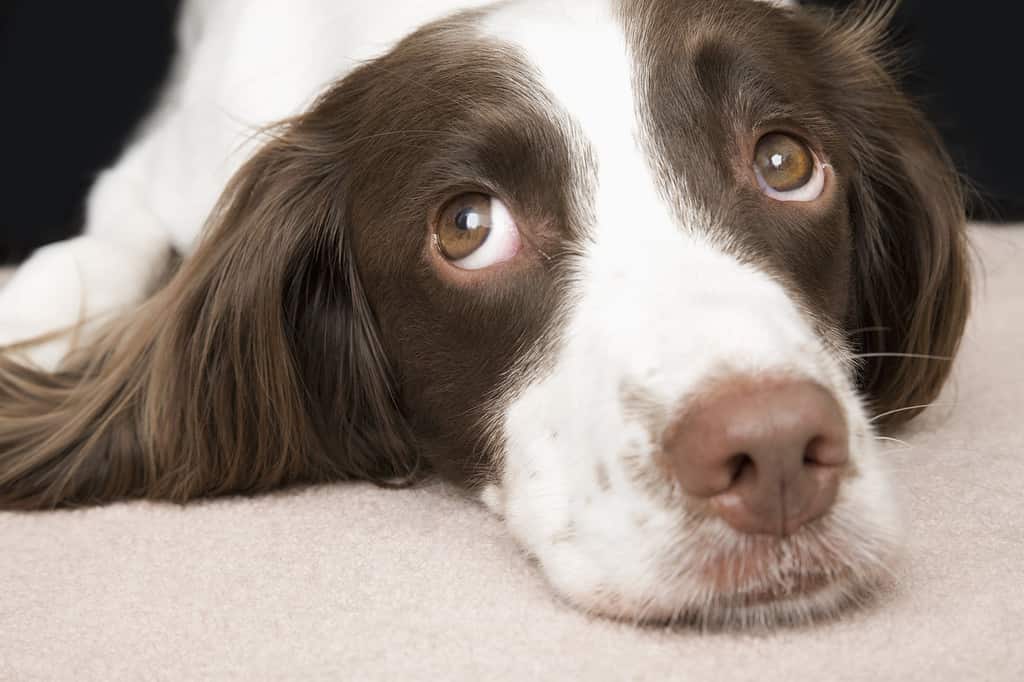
x: 790, y: 600
x: 787, y: 587
x: 764, y: 567
x: 759, y: 582
x: 766, y: 582
x: 769, y: 581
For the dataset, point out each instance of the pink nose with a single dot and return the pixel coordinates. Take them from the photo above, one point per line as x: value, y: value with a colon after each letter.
x: 767, y: 454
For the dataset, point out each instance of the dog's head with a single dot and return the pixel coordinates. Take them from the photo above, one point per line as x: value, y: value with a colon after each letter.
x: 647, y: 274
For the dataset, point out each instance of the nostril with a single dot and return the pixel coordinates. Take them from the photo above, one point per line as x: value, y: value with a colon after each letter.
x: 822, y: 451
x: 737, y: 465
x: 811, y: 452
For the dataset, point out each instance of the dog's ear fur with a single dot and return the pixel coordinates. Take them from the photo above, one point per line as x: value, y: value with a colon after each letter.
x: 911, y: 272
x: 258, y: 365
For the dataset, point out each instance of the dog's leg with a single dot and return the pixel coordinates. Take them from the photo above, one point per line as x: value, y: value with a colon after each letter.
x: 65, y: 289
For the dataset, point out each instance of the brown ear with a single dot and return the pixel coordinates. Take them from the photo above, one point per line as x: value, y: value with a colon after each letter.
x: 275, y: 366
x: 912, y: 279
x: 258, y: 365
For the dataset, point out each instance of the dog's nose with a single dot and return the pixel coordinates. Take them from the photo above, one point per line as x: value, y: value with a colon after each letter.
x: 767, y: 454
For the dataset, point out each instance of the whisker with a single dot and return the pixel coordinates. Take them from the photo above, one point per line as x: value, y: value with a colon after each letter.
x: 895, y: 440
x: 919, y: 356
x: 896, y: 451
x: 907, y: 409
x: 529, y: 240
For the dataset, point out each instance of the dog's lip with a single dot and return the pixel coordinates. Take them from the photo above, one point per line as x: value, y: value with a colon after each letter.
x: 758, y: 574
x: 793, y: 586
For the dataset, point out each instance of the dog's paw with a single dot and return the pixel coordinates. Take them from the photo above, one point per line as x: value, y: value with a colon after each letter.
x: 45, y: 301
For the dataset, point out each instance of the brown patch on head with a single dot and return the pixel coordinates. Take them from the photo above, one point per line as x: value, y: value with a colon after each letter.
x: 455, y: 346
x: 312, y: 336
x: 881, y: 254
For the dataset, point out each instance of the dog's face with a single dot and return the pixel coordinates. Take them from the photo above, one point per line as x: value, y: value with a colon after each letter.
x: 642, y: 273
x: 596, y: 239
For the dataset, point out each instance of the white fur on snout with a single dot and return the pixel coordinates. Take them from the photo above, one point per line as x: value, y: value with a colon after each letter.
x: 658, y: 310
x: 581, y: 485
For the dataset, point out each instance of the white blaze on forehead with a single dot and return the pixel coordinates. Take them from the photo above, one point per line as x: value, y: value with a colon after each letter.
x: 580, y: 52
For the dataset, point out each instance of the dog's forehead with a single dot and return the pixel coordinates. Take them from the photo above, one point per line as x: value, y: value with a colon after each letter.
x: 668, y: 97
x: 583, y: 60
x: 590, y: 53
x: 580, y: 53
x: 597, y: 61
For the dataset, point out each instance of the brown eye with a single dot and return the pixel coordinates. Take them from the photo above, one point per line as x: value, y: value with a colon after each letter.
x: 475, y: 231
x: 787, y: 169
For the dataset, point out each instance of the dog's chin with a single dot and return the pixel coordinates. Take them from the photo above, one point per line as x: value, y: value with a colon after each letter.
x: 819, y: 599
x: 758, y: 582
x: 812, y: 599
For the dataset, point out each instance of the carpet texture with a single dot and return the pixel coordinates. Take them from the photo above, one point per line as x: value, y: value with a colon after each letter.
x: 351, y: 582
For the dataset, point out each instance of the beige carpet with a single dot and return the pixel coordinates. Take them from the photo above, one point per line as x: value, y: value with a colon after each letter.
x: 349, y: 582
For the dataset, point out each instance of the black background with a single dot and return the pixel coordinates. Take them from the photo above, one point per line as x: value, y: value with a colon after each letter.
x: 76, y: 76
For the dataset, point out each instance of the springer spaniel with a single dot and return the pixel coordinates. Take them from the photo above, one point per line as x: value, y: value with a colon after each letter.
x: 645, y: 275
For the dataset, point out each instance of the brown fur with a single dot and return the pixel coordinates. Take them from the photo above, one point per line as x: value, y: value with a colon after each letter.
x: 262, y: 344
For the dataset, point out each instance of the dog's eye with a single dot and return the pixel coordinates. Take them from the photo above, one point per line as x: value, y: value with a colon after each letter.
x: 476, y: 231
x: 787, y: 169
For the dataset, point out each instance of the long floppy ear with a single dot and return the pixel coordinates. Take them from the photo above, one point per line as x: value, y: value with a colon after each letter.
x: 258, y: 365
x: 912, y: 279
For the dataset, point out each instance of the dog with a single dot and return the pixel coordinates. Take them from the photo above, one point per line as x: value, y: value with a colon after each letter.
x: 646, y: 276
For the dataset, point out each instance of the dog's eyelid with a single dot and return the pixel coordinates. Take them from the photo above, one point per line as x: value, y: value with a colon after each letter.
x: 813, y: 135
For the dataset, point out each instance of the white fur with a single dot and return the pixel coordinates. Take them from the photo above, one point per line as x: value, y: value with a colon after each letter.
x: 659, y: 304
